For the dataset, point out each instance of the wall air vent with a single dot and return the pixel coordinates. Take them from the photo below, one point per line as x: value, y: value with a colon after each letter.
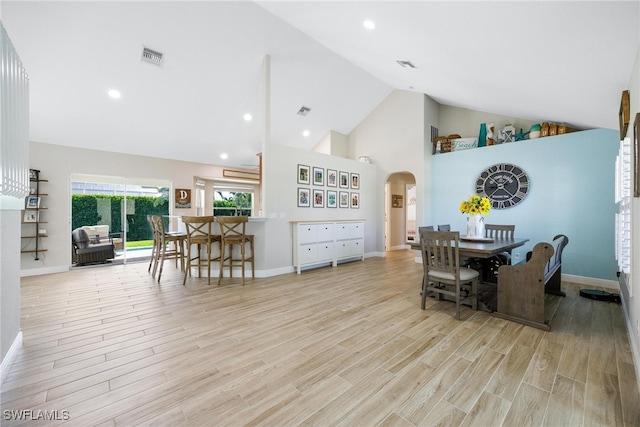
x: 406, y: 64
x: 152, y: 57
x: 304, y: 110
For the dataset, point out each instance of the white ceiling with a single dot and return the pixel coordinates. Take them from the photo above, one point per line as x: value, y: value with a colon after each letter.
x: 553, y: 61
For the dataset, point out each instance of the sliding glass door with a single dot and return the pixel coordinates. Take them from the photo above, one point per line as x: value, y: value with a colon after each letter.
x: 119, y: 206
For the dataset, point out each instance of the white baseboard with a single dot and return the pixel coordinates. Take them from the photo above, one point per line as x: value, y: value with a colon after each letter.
x: 41, y: 271
x: 8, y: 359
x: 591, y: 281
x: 635, y: 353
x: 400, y: 248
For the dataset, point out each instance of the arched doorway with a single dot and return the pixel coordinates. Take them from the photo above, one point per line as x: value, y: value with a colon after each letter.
x: 400, y: 211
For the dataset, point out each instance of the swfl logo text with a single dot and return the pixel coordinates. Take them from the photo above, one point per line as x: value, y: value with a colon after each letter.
x: 35, y: 415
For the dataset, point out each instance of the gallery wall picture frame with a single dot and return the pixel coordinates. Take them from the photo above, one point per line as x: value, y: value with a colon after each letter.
x: 355, y: 200
x: 636, y: 156
x: 624, y: 114
x: 396, y: 200
x: 344, y: 179
x: 332, y: 178
x: 343, y: 201
x: 304, y: 197
x: 355, y: 181
x: 32, y: 202
x: 318, y: 198
x: 332, y: 199
x: 31, y: 216
x: 304, y: 174
x: 318, y: 176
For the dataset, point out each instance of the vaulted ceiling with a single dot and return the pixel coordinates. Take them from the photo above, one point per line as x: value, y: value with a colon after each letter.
x: 554, y: 61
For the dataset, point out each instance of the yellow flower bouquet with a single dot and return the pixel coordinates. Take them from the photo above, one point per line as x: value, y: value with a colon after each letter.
x: 475, y: 205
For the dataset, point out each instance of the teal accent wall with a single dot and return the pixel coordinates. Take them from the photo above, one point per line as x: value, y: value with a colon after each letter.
x: 572, y: 192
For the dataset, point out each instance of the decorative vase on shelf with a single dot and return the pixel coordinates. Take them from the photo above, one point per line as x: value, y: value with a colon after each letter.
x: 475, y: 226
x: 482, y: 136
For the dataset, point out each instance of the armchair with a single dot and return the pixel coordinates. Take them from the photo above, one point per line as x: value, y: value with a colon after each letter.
x: 87, y: 252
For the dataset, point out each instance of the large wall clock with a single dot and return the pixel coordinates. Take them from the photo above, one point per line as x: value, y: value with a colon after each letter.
x: 504, y: 184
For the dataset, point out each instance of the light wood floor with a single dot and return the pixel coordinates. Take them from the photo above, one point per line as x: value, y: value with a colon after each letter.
x: 333, y: 346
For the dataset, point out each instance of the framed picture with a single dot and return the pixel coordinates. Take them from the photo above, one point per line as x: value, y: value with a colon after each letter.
x: 33, y: 175
x: 304, y: 174
x: 396, y: 200
x: 344, y: 199
x: 344, y: 179
x: 332, y: 178
x: 636, y: 156
x: 624, y: 114
x: 33, y: 202
x: 318, y: 176
x: 30, y: 216
x: 182, y: 198
x: 304, y: 197
x: 355, y: 200
x: 318, y: 198
x: 355, y: 181
x: 332, y: 199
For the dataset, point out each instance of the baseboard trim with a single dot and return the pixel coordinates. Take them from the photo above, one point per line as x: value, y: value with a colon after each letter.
x: 635, y: 354
x: 11, y: 355
x: 41, y: 271
x: 591, y: 281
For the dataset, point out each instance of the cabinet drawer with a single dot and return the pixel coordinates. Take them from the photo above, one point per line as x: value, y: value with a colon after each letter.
x: 307, y: 254
x: 326, y: 251
x: 307, y: 233
x: 351, y: 230
x: 325, y: 232
x: 350, y: 248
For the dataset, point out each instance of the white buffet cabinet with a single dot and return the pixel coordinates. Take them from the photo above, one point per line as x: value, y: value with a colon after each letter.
x: 326, y: 242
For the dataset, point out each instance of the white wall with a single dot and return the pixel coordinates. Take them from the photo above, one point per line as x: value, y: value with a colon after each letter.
x: 466, y: 123
x: 392, y: 136
x: 281, y: 172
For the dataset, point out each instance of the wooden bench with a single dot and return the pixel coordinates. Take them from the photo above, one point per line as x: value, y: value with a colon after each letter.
x: 522, y: 287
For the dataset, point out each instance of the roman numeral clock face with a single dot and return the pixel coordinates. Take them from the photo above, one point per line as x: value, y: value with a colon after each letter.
x: 504, y: 184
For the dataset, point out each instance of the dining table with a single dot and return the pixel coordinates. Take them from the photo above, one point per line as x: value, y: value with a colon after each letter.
x: 484, y: 248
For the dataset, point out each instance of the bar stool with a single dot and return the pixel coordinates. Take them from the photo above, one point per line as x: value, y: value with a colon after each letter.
x: 232, y: 232
x: 199, y: 232
x: 154, y: 259
x: 163, y: 249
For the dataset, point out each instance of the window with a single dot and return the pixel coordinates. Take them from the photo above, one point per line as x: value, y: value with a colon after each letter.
x: 623, y: 216
x: 232, y: 199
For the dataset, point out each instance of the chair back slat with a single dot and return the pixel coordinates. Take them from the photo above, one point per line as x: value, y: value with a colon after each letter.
x: 232, y: 226
x: 441, y: 251
x: 198, y: 227
x: 499, y: 231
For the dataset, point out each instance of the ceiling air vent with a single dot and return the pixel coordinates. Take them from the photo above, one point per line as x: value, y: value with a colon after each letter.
x: 406, y: 64
x: 304, y: 110
x: 152, y: 56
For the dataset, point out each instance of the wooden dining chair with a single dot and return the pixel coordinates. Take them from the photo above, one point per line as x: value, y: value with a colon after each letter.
x: 233, y: 232
x: 200, y: 234
x: 443, y: 274
x: 491, y: 265
x: 444, y: 227
x: 169, y: 246
x: 420, y: 231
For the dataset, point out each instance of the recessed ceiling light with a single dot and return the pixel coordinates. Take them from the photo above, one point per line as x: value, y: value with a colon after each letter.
x: 369, y: 25
x: 224, y: 156
x: 248, y: 117
x: 306, y: 133
x: 114, y: 93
